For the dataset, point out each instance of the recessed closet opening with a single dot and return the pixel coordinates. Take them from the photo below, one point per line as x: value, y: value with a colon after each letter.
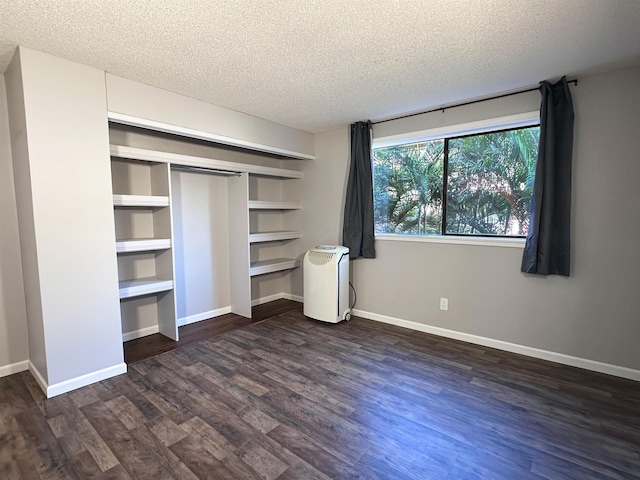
x: 197, y: 243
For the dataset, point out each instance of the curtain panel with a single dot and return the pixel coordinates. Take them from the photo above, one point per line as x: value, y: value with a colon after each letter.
x: 358, y: 225
x: 548, y: 245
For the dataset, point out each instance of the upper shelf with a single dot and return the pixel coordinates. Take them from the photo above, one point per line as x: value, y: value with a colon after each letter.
x: 142, y: 244
x: 275, y: 265
x: 140, y: 201
x: 120, y: 151
x: 273, y: 236
x: 265, y: 205
x: 143, y: 286
x: 208, y: 136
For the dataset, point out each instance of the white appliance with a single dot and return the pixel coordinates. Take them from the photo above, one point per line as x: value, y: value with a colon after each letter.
x: 326, y: 283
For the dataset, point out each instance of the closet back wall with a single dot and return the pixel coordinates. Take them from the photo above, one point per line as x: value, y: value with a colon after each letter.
x: 201, y: 245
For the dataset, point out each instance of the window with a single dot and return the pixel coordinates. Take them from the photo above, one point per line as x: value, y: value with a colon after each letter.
x: 478, y: 184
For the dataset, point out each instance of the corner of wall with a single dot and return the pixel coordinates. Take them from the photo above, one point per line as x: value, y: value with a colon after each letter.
x: 14, y: 348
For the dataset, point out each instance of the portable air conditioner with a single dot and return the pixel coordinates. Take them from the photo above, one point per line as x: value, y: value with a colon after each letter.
x: 326, y: 283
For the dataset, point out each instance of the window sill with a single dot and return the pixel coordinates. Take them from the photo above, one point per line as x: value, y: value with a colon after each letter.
x: 484, y: 241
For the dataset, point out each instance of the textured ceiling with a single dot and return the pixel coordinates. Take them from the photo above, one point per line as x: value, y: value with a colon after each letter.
x: 319, y: 64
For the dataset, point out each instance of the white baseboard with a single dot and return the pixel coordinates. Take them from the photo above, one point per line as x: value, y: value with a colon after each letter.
x: 587, y: 364
x: 77, y: 382
x: 276, y: 296
x: 10, y: 369
x: 39, y: 378
x: 295, y: 298
x: 143, y: 332
x: 203, y: 316
x: 267, y: 299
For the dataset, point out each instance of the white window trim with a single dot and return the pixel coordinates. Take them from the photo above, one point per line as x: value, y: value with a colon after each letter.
x: 509, y: 242
x: 526, y: 119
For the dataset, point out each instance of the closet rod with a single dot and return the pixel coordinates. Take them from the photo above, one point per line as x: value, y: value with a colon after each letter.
x: 212, y: 171
x: 470, y: 102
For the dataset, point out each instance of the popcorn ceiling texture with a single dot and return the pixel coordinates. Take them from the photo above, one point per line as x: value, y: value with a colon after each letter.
x: 316, y: 65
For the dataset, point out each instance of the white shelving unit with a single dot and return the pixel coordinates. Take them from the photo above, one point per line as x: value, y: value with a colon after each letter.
x: 263, y: 221
x: 142, y: 213
x: 273, y: 223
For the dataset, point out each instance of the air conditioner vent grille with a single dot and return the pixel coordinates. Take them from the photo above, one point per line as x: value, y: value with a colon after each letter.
x: 320, y: 258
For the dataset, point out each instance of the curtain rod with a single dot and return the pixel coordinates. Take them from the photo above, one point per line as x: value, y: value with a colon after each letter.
x: 471, y: 102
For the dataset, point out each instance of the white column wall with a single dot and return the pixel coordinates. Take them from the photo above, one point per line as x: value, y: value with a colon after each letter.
x: 24, y: 204
x: 61, y: 158
x: 14, y: 347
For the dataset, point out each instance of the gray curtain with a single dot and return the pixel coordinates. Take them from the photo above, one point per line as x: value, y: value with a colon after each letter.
x: 548, y: 245
x: 357, y: 231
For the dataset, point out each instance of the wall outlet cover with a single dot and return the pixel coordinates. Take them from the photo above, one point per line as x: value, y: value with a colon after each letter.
x: 444, y: 304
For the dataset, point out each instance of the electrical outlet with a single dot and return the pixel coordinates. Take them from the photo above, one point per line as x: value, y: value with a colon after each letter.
x: 444, y: 304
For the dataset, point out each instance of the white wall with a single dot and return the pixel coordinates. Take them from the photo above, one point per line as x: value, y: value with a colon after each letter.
x: 14, y: 349
x: 24, y: 204
x: 322, y: 195
x: 151, y: 103
x: 65, y: 205
x: 201, y: 243
x: 324, y: 191
x: 500, y: 107
x: 591, y: 315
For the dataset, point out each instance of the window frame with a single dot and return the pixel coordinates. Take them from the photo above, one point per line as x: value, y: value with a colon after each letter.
x: 491, y: 125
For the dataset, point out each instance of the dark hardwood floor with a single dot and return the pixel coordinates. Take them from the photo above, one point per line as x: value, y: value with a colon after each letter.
x: 151, y: 345
x: 291, y: 398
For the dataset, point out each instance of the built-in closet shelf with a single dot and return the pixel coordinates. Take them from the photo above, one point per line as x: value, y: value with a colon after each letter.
x: 140, y: 201
x: 275, y: 265
x: 143, y: 286
x: 132, y: 153
x: 142, y: 213
x: 142, y: 245
x: 272, y: 236
x: 263, y: 205
x: 204, y: 135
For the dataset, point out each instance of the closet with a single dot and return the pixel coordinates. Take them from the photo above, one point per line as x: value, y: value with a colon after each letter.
x: 100, y: 255
x: 159, y: 199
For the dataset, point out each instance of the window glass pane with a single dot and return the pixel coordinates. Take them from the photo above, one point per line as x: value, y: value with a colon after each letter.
x: 490, y: 182
x: 408, y: 183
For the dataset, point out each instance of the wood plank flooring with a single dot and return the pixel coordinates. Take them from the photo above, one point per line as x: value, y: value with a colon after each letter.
x: 291, y: 398
x: 151, y: 345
